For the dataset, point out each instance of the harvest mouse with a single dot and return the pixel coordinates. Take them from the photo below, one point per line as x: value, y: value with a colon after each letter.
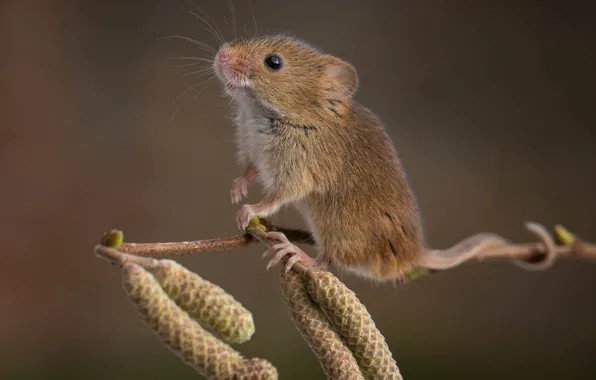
x: 304, y: 137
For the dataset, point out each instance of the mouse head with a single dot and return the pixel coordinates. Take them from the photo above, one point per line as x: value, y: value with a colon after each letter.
x: 286, y: 76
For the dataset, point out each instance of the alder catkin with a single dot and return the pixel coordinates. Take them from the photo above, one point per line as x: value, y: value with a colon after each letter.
x: 354, y: 324
x: 208, y: 355
x: 335, y: 358
x: 206, y: 302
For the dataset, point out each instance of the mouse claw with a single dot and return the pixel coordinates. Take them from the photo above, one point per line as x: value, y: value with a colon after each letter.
x: 277, y: 236
x: 279, y: 251
x: 245, y: 214
x: 293, y: 260
x: 269, y: 252
x: 239, y: 190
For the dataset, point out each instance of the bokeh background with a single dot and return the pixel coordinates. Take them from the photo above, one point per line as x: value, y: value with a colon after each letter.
x: 490, y: 104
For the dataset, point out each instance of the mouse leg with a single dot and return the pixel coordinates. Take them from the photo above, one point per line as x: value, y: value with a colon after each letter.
x: 285, y: 248
x: 240, y: 185
x: 282, y: 192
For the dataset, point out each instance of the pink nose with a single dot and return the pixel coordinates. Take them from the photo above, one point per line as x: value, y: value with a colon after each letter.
x: 223, y: 57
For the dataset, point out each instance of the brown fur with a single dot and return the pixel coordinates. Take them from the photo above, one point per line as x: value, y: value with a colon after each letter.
x: 331, y: 157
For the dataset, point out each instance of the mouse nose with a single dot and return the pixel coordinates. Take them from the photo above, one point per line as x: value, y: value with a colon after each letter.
x: 223, y: 57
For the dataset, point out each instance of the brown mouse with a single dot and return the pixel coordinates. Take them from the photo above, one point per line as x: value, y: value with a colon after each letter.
x: 304, y: 137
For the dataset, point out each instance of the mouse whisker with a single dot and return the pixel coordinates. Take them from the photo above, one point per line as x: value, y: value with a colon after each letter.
x: 173, y: 117
x: 205, y: 76
x: 233, y: 97
x: 233, y: 11
x: 175, y: 101
x: 206, y: 80
x: 204, y: 70
x: 217, y: 37
x: 201, y: 89
x: 203, y: 83
x: 192, y: 64
x: 185, y: 91
x: 194, y: 59
x: 188, y: 58
x: 227, y: 84
x: 213, y: 30
x: 202, y: 45
x: 254, y: 19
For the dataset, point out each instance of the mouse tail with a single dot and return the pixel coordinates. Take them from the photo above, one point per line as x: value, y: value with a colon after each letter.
x: 436, y: 259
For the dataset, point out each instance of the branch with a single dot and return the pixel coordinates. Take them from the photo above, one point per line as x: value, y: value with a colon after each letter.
x: 530, y: 256
x: 180, y: 306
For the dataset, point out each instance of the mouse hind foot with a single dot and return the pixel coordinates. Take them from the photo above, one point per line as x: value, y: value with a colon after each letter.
x: 285, y: 248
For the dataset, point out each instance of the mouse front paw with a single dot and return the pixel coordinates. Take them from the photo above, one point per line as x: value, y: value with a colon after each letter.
x: 245, y: 214
x: 239, y: 189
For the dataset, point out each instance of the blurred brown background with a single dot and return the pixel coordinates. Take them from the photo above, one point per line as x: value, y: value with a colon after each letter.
x: 490, y: 105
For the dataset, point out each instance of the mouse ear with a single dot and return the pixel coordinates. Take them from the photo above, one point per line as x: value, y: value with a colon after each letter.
x: 341, y: 76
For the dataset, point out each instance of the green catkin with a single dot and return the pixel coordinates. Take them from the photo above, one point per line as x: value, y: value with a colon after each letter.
x: 335, y: 358
x: 209, y: 356
x: 354, y: 324
x: 206, y: 302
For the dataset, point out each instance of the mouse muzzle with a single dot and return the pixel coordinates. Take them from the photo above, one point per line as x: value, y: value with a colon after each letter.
x: 233, y: 69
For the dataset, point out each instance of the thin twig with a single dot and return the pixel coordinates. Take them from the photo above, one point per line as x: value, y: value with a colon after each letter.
x: 114, y: 256
x: 161, y: 250
x: 531, y: 256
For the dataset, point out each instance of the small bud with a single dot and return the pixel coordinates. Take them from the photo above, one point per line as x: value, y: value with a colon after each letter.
x: 563, y: 235
x: 112, y: 238
x: 206, y: 302
x: 254, y: 222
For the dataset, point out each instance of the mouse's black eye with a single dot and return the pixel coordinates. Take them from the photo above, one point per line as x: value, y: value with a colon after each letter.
x: 273, y: 62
